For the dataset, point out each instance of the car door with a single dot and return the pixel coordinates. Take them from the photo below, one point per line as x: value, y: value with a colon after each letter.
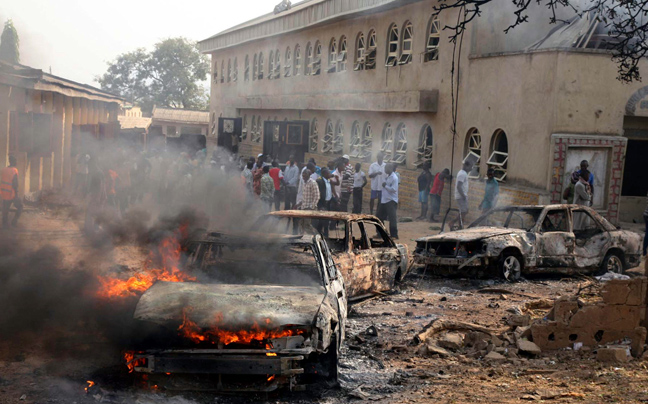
x: 385, y: 254
x: 592, y: 240
x: 357, y: 265
x: 336, y: 284
x: 554, y: 240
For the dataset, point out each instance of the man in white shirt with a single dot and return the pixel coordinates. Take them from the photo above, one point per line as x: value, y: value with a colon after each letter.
x: 359, y: 182
x: 291, y: 179
x: 389, y: 201
x: 377, y: 176
x: 461, y: 194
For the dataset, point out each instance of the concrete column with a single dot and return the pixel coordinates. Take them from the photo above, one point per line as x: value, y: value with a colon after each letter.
x: 58, y: 120
x: 47, y: 161
x: 68, y: 119
x: 34, y: 104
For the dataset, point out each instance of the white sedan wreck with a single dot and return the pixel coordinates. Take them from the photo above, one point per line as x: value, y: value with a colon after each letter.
x: 265, y: 313
x: 510, y: 241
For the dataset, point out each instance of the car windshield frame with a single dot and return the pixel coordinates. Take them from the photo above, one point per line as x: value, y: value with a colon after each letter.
x: 535, y: 212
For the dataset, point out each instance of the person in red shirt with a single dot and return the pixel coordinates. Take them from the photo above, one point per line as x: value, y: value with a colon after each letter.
x: 277, y: 176
x: 436, y: 191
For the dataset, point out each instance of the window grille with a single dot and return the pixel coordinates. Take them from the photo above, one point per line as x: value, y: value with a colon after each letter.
x: 313, y: 139
x: 425, y: 147
x: 297, y: 56
x: 327, y: 141
x: 332, y: 60
x: 287, y: 63
x: 392, y: 46
x: 499, y: 155
x: 406, y: 48
x: 360, y: 53
x: 400, y: 152
x: 338, y: 141
x: 387, y: 146
x: 473, y: 152
x: 370, y: 54
x: 432, y: 45
x: 342, y: 55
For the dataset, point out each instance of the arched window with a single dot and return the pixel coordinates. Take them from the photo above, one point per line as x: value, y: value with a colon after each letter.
x: 329, y: 134
x: 244, y: 129
x: 367, y: 142
x: 223, y: 71
x: 259, y: 129
x: 499, y: 155
x: 372, y: 44
x: 246, y: 68
x: 432, y: 44
x: 277, y: 65
x: 359, y: 62
x: 271, y: 66
x: 215, y: 72
x: 235, y: 71
x: 317, y: 58
x: 297, y: 56
x: 393, y: 42
x: 342, y: 55
x: 424, y: 150
x: 406, y: 46
x: 387, y: 146
x: 260, y: 70
x: 255, y: 66
x: 308, y: 65
x: 313, y: 139
x: 253, y: 129
x: 332, y: 59
x: 472, y: 151
x: 288, y: 63
x: 400, y: 150
x: 229, y: 70
x: 338, y: 140
x: 356, y: 141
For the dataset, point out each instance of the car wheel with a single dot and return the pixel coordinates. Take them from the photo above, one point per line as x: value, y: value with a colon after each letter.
x: 330, y: 362
x: 510, y: 266
x: 612, y: 263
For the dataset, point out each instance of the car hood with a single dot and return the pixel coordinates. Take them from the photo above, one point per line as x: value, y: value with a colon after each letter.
x: 231, y: 306
x: 472, y: 234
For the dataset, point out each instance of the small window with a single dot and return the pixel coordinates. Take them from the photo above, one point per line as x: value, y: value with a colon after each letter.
x: 472, y: 151
x: 260, y: 69
x: 555, y: 221
x: 387, y: 146
x: 327, y: 141
x: 297, y: 56
x: 229, y: 70
x: 255, y: 67
x: 342, y: 55
x: 308, y: 66
x: 244, y: 129
x: 499, y: 155
x: 223, y: 71
x: 377, y: 235
x: 235, y: 71
x: 360, y: 53
x: 356, y: 141
x: 358, y: 237
x: 277, y: 65
x: 367, y: 142
x: 332, y: 60
x: 432, y: 45
x: 215, y: 72
x: 406, y: 46
x: 246, y: 72
x: 288, y: 63
x: 424, y: 150
x: 271, y: 66
x: 313, y: 139
x: 585, y: 226
x: 392, y: 46
x: 317, y: 58
x: 370, y: 54
x: 400, y: 152
x: 338, y: 141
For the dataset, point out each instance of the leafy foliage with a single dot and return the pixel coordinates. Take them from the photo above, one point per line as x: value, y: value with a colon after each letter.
x: 626, y: 22
x: 10, y: 44
x: 169, y: 76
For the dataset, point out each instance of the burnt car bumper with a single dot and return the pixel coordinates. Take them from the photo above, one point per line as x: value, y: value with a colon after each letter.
x: 453, y: 262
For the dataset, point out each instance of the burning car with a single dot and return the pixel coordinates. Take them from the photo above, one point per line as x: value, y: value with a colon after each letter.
x: 524, y: 239
x: 264, y: 313
x: 368, y: 258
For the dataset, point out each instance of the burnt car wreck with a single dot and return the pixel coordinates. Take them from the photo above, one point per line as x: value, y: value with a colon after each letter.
x: 368, y: 258
x: 511, y: 241
x: 264, y: 314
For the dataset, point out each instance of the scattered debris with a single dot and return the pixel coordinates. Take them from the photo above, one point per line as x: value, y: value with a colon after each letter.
x: 608, y: 276
x: 528, y: 347
x: 494, y: 356
x: 437, y: 325
x: 612, y: 355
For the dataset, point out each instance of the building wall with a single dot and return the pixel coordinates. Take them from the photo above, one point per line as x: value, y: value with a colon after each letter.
x: 529, y: 96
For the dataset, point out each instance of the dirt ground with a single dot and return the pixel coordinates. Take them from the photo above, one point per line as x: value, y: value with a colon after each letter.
x: 384, y: 368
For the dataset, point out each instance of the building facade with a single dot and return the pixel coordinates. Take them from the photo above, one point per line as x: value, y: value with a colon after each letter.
x: 375, y: 75
x: 45, y: 122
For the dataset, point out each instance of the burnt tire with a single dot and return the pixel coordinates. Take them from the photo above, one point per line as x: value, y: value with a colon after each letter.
x: 613, y: 262
x: 330, y: 362
x: 510, y: 266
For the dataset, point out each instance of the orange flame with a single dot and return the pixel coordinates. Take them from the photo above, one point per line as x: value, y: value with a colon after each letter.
x: 169, y: 252
x: 271, y: 378
x: 131, y: 362
x: 90, y: 384
x: 192, y: 331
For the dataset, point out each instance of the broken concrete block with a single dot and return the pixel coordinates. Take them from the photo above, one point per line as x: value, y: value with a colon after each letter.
x: 612, y: 355
x: 519, y: 320
x: 638, y: 341
x: 494, y: 356
x: 437, y: 350
x: 607, y: 317
x: 630, y: 292
x: 452, y: 341
x: 564, y: 309
x: 528, y: 347
x: 496, y: 341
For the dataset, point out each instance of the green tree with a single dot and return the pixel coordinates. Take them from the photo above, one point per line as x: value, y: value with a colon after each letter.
x: 169, y: 76
x: 9, y: 43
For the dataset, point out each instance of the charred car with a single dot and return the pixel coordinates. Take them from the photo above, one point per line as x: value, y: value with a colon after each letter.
x: 368, y: 258
x: 510, y: 241
x: 264, y: 313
